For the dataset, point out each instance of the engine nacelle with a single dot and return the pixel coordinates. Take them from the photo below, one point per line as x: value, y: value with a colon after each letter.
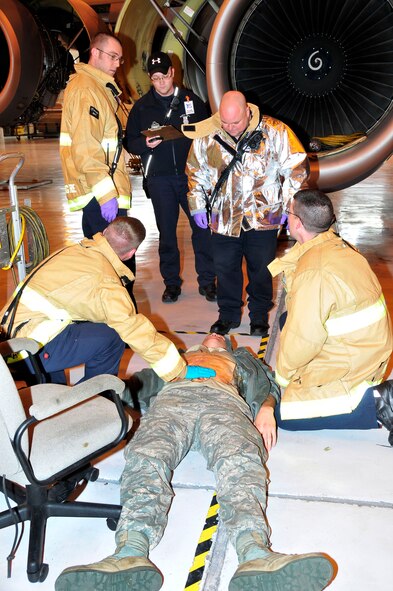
x: 324, y: 68
x: 31, y: 79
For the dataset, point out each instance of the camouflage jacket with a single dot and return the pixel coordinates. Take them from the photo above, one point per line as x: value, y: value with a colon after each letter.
x: 253, y: 377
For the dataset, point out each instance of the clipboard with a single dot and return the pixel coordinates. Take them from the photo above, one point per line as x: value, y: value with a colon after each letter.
x: 164, y: 132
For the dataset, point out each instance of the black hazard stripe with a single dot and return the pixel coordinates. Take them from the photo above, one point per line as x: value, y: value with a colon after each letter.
x: 239, y: 334
x: 203, y: 547
x: 263, y: 347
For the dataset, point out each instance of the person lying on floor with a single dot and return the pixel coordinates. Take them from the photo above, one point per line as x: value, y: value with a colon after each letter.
x: 336, y: 341
x: 213, y: 416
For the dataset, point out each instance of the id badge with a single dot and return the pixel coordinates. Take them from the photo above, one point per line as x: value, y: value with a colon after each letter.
x: 189, y: 107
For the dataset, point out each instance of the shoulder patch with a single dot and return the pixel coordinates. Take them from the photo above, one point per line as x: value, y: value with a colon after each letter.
x: 94, y: 112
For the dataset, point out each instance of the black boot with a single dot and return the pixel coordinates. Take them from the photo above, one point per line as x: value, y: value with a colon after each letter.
x: 171, y: 294
x: 384, y: 406
x: 222, y: 326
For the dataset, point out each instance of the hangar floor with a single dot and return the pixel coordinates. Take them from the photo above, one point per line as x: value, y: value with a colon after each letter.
x: 329, y: 491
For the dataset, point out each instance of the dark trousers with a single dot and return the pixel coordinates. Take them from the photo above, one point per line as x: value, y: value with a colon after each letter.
x: 168, y: 194
x: 93, y: 222
x: 258, y: 249
x: 96, y: 345
x: 363, y: 417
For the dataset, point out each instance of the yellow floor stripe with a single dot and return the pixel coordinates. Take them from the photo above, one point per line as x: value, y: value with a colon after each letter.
x: 205, y: 541
x: 199, y: 561
x: 212, y: 510
x: 207, y: 533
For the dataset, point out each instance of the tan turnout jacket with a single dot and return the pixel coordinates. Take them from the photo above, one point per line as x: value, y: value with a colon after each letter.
x: 82, y: 282
x: 337, y: 338
x: 89, y: 139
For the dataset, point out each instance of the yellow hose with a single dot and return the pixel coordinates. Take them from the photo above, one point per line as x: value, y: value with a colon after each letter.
x: 336, y: 141
x: 16, y: 250
x: 37, y: 240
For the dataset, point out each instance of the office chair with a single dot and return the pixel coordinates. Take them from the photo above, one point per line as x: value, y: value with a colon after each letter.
x: 47, y: 450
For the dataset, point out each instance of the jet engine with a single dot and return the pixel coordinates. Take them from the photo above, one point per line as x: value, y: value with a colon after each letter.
x: 35, y: 58
x: 324, y: 67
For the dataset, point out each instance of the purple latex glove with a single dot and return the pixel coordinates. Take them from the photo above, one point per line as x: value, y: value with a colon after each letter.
x: 214, y: 219
x: 201, y: 220
x: 109, y: 210
x: 276, y: 218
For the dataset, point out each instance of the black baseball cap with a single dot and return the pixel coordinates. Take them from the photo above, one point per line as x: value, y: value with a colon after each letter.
x: 158, y: 62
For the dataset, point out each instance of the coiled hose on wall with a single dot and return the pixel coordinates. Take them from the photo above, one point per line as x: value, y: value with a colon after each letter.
x: 34, y: 237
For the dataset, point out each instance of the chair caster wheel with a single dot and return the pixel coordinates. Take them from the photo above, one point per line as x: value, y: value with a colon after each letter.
x: 112, y: 523
x: 40, y: 575
x: 43, y: 572
x: 93, y: 475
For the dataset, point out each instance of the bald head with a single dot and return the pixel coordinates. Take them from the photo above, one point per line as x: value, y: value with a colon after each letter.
x: 233, y: 101
x: 234, y: 113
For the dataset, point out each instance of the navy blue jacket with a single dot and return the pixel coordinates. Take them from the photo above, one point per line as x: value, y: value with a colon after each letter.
x: 169, y: 157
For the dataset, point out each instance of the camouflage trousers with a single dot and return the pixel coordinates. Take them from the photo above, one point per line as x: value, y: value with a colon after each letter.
x: 217, y: 425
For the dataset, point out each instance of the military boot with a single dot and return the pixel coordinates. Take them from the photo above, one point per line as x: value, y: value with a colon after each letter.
x: 284, y: 572
x: 136, y: 573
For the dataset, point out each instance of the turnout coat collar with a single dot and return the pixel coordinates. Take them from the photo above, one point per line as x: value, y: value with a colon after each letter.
x: 100, y: 242
x: 213, y: 125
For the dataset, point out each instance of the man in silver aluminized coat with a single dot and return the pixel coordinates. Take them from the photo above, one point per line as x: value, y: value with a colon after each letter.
x: 211, y: 417
x: 243, y: 167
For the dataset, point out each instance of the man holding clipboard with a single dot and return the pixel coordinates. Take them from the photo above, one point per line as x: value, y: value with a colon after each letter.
x: 153, y: 132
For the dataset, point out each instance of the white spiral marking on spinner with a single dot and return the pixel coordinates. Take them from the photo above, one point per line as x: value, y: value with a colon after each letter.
x: 317, y: 61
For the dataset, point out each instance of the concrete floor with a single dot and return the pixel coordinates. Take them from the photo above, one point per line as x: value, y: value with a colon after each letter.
x: 329, y: 491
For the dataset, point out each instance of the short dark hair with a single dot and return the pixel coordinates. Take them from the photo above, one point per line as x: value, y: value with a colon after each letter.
x: 124, y: 234
x: 315, y: 210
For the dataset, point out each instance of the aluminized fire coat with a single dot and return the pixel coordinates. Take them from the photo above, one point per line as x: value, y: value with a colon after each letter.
x: 258, y: 186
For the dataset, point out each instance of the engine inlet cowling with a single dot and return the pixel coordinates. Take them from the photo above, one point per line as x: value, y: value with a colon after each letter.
x: 324, y: 68
x: 31, y: 80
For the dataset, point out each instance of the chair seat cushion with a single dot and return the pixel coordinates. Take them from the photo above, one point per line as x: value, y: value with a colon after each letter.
x: 60, y: 441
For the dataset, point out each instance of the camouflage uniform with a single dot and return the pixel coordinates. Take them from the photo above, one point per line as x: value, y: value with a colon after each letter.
x: 204, y: 419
